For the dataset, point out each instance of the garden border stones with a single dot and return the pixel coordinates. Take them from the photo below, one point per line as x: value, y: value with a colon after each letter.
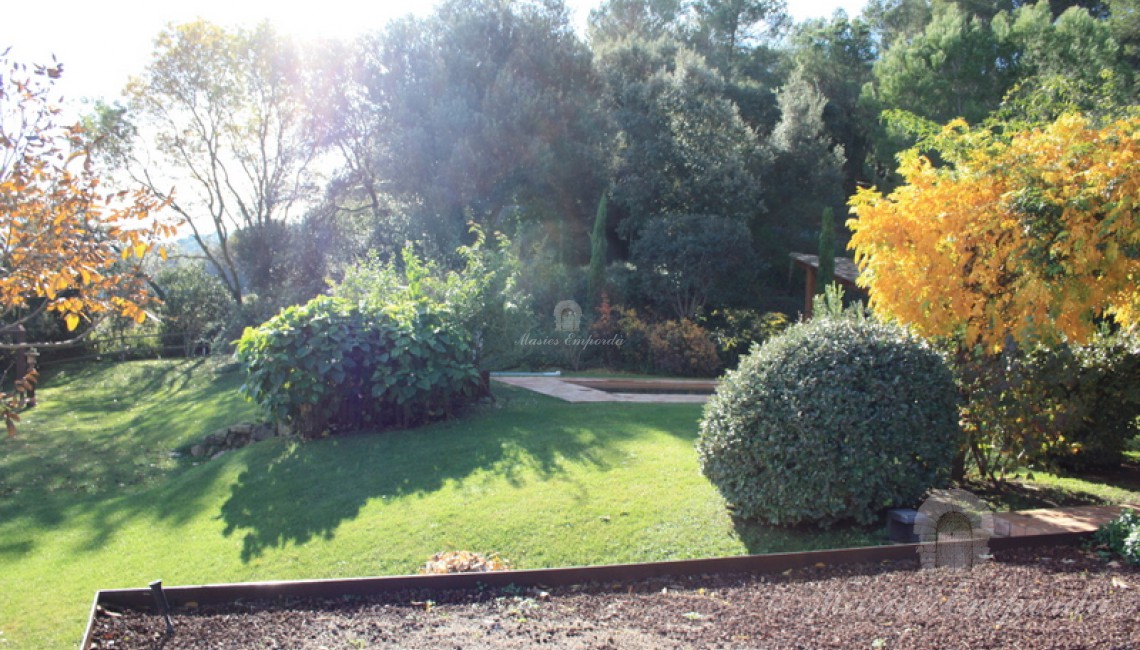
x: 237, y: 436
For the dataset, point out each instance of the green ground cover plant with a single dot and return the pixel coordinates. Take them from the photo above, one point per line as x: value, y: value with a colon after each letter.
x: 1121, y: 536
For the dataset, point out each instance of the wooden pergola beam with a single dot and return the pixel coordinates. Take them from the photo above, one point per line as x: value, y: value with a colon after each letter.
x: 846, y: 274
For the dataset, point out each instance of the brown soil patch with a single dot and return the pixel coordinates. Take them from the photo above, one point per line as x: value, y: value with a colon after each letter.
x: 1042, y: 598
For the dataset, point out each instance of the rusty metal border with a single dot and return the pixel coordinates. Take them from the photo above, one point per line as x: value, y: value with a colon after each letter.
x: 213, y: 594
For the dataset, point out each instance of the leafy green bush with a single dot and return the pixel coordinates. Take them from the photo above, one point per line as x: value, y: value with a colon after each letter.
x: 835, y: 418
x: 1104, y: 398
x: 1122, y: 536
x: 683, y: 349
x: 687, y: 261
x: 195, y: 307
x: 335, y: 365
x: 617, y: 322
x: 622, y: 283
x: 635, y: 353
x: 1072, y: 407
x: 734, y: 330
x: 482, y: 298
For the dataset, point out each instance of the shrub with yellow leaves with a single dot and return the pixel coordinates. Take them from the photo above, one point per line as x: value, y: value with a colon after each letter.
x: 1033, y: 236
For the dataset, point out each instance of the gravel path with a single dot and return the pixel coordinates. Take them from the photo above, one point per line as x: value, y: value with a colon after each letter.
x: 1036, y: 599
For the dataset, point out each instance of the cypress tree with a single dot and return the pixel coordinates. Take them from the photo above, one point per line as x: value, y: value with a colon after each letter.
x: 597, y: 278
x: 826, y: 251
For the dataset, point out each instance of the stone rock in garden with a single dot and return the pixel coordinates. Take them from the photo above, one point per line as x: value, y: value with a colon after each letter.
x: 216, y: 438
x: 197, y: 451
x: 242, y: 429
x: 262, y: 432
x: 284, y: 430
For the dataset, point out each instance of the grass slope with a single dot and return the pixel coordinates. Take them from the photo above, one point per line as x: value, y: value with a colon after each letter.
x: 90, y: 497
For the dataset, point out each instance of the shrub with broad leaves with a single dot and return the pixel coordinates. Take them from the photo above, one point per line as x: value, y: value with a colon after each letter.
x: 1105, y: 392
x: 734, y: 330
x: 1072, y: 407
x: 335, y: 365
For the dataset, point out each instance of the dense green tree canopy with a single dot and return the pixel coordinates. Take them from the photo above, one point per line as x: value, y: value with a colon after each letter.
x: 498, y: 113
x: 690, y: 260
x: 481, y: 107
x: 959, y: 66
x: 896, y: 20
x: 836, y: 56
x: 807, y: 170
x: 682, y: 145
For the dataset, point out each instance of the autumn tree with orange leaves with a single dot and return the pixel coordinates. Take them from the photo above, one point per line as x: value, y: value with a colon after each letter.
x: 68, y: 246
x: 1033, y: 237
x: 1016, y: 248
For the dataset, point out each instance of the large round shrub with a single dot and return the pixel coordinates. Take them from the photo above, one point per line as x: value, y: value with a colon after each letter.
x: 836, y: 418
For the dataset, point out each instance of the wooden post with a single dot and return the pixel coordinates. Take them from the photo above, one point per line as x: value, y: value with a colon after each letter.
x: 20, y: 334
x: 809, y: 291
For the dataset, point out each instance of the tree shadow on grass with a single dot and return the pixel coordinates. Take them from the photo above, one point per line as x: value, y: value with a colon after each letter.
x: 16, y: 549
x: 760, y: 538
x: 308, y: 490
x: 1126, y: 476
x: 1015, y: 494
x: 172, y: 503
x: 169, y: 503
x: 99, y: 446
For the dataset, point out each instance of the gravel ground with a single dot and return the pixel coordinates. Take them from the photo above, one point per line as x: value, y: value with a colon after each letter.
x: 1037, y: 599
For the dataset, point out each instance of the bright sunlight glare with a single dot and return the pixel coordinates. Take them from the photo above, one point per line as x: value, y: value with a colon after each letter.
x: 101, y: 44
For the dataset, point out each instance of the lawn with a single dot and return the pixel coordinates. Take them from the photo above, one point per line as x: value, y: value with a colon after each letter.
x: 91, y: 497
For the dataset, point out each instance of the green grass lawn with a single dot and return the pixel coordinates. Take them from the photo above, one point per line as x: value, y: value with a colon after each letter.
x: 91, y: 498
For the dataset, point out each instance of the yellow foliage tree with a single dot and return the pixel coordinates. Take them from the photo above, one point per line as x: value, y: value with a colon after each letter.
x: 1034, y: 235
x: 67, y: 246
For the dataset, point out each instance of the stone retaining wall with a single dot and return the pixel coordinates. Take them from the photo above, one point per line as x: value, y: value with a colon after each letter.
x: 236, y: 437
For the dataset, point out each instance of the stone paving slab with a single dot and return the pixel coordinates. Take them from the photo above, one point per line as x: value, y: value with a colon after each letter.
x: 1044, y: 521
x: 566, y: 390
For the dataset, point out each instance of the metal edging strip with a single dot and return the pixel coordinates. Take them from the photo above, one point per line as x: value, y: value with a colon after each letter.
x: 559, y: 577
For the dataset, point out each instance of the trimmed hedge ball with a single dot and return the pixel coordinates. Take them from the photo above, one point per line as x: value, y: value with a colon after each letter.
x: 837, y: 418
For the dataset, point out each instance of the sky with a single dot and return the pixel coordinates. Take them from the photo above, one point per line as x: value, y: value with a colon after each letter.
x: 101, y: 44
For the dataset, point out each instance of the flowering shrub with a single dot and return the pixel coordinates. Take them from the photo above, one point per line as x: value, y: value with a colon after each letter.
x: 682, y: 348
